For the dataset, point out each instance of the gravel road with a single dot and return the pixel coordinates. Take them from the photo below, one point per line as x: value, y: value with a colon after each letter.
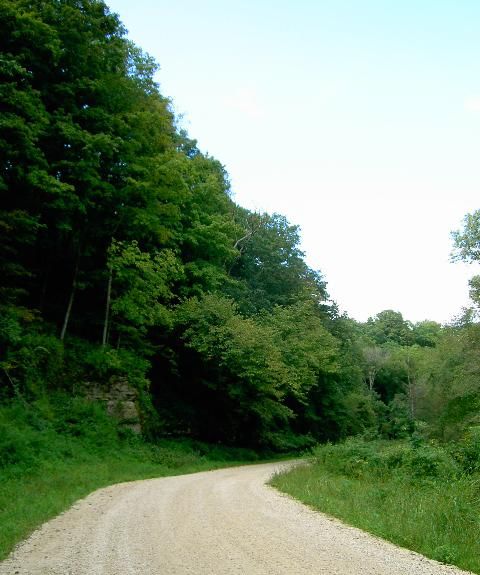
x: 216, y: 523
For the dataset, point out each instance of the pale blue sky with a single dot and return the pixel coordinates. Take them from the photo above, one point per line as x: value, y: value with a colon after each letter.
x: 358, y: 120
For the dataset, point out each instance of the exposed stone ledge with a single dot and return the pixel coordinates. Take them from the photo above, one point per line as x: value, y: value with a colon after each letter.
x: 120, y: 399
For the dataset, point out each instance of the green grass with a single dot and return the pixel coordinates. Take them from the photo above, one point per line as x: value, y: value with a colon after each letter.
x: 418, y: 498
x: 56, y: 452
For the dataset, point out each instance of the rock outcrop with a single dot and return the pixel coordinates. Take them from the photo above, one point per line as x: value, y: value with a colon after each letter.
x: 120, y: 399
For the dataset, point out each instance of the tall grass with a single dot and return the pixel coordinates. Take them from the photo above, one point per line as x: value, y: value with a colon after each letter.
x: 424, y: 498
x: 59, y: 450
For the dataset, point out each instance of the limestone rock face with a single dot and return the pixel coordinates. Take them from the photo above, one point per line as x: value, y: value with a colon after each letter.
x: 120, y: 399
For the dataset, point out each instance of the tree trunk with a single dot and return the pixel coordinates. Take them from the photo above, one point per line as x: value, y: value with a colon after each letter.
x: 411, y: 386
x: 107, y: 307
x: 70, y: 303
x: 411, y: 396
x: 371, y: 378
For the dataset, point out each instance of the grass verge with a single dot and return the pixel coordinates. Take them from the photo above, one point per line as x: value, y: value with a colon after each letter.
x: 419, y: 498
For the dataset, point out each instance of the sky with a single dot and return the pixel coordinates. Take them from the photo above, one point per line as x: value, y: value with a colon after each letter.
x: 359, y: 120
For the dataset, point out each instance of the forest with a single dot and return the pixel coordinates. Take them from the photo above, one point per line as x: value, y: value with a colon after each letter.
x: 126, y: 261
x: 124, y: 255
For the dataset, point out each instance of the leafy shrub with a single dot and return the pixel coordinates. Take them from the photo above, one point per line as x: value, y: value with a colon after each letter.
x: 467, y: 451
x: 356, y: 458
x: 173, y: 457
x: 15, y: 447
x: 287, y: 442
x: 40, y: 361
x: 430, y: 462
x: 10, y: 327
x: 86, y: 420
x: 33, y: 359
x: 88, y: 362
x: 53, y: 429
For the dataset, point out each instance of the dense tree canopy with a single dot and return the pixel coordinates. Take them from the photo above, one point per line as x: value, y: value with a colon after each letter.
x: 123, y: 255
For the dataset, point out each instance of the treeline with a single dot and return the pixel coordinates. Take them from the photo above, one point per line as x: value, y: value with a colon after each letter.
x: 425, y: 378
x: 123, y: 255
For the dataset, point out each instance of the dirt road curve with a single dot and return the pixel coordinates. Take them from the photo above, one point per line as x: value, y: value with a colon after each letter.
x: 216, y: 523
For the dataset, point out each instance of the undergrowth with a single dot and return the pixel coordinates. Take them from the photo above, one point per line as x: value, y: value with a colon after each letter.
x: 420, y: 496
x: 57, y: 450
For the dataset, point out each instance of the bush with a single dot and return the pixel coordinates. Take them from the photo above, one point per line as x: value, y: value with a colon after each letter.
x: 99, y: 364
x: 53, y: 430
x: 85, y: 420
x: 467, y: 451
x: 33, y: 360
x: 15, y: 447
x: 356, y: 458
x: 430, y: 462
